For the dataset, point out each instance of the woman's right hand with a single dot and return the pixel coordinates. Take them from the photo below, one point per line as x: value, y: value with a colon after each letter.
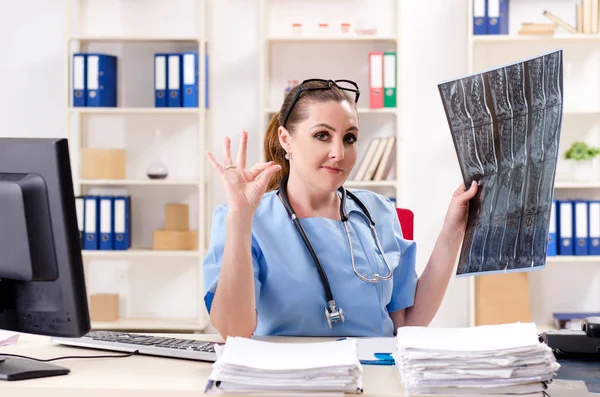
x: 244, y: 188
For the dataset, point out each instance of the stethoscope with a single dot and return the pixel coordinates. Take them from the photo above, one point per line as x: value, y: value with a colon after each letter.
x: 333, y: 313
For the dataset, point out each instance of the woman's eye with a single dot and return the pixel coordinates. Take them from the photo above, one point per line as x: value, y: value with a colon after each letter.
x: 322, y: 136
x: 350, y: 138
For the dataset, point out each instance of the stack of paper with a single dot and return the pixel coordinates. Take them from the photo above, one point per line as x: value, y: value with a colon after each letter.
x: 490, y: 359
x: 8, y: 338
x: 251, y: 366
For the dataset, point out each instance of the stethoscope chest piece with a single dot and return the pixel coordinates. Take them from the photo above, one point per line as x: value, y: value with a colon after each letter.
x: 333, y: 314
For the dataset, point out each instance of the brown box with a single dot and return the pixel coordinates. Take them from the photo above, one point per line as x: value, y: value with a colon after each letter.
x: 502, y: 298
x: 103, y: 163
x: 104, y: 307
x: 177, y: 216
x: 175, y: 240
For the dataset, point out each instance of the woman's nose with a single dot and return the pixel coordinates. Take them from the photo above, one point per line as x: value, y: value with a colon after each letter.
x: 337, y: 151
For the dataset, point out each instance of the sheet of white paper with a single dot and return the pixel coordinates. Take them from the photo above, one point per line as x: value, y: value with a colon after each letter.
x: 8, y: 338
x: 473, y: 339
x: 367, y: 347
x: 269, y: 356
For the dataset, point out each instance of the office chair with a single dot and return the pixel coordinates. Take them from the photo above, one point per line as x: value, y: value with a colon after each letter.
x: 406, y: 218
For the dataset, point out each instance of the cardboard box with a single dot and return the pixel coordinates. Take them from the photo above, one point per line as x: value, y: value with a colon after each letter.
x: 177, y: 217
x: 103, y: 163
x: 502, y: 298
x: 175, y: 240
x: 104, y: 307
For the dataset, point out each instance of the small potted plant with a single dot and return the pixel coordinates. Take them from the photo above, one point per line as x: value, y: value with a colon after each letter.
x: 581, y: 156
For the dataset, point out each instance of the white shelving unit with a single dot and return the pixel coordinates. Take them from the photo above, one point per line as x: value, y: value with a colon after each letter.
x: 129, y: 115
x: 564, y: 259
x: 274, y: 41
x: 484, y: 52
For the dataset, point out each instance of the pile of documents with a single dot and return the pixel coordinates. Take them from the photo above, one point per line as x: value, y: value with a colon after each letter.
x: 8, y: 338
x: 248, y: 366
x: 489, y: 359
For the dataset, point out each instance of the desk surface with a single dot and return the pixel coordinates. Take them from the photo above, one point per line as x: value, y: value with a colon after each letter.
x: 156, y: 376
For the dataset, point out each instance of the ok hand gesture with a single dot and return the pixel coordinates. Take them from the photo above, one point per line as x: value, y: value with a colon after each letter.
x: 244, y: 188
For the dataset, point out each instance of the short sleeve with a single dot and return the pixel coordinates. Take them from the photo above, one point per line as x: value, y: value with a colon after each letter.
x: 211, y: 266
x: 405, y: 277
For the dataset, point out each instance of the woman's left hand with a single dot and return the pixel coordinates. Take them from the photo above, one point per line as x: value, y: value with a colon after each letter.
x: 458, y: 211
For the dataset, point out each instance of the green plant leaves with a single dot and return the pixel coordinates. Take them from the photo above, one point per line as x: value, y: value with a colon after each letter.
x: 581, y: 151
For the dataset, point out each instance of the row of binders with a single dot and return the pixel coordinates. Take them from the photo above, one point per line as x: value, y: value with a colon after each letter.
x: 574, y: 228
x: 176, y: 80
x: 104, y: 222
x: 382, y: 79
x: 490, y: 17
x: 94, y: 80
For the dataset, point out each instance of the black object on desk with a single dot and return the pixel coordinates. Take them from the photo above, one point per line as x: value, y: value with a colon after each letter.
x: 573, y: 342
x: 20, y: 369
x: 42, y: 285
x: 577, y: 352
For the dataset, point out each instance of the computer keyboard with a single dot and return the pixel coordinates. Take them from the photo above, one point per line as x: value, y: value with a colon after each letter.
x: 144, y: 344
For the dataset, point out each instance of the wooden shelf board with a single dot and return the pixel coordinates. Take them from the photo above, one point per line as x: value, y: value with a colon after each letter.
x: 140, y: 324
x: 577, y: 185
x: 332, y: 38
x: 360, y: 110
x: 134, y: 110
x: 139, y: 253
x: 139, y: 39
x: 516, y: 38
x: 138, y: 182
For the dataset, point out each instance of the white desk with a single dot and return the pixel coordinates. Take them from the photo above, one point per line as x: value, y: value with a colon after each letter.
x: 155, y: 376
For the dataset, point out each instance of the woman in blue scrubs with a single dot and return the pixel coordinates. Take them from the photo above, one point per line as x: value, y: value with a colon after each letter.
x: 259, y: 275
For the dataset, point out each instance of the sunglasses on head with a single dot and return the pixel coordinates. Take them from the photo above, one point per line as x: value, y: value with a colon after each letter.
x: 346, y: 85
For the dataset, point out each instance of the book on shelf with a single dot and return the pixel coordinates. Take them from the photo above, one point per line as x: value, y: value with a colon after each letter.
x: 587, y: 18
x: 537, y: 29
x: 378, y: 160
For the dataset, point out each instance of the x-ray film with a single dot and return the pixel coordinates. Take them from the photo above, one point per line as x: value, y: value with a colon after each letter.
x: 505, y: 125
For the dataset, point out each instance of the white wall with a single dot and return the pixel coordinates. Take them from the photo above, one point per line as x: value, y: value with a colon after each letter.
x: 434, y: 46
x: 32, y: 65
x: 433, y: 51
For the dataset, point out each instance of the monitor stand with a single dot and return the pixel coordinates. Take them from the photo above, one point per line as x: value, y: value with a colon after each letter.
x: 20, y: 368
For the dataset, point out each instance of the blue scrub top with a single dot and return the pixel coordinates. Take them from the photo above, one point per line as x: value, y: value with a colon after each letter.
x: 290, y: 298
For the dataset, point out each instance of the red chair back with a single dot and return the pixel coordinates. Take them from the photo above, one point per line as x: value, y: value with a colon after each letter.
x: 406, y: 218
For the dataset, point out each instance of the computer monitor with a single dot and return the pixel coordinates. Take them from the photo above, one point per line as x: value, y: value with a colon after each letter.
x: 42, y: 286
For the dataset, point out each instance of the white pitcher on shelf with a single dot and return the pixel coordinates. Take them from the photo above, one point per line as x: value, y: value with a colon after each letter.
x: 580, y: 158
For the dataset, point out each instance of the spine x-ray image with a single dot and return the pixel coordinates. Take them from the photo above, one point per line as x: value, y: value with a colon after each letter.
x: 505, y: 125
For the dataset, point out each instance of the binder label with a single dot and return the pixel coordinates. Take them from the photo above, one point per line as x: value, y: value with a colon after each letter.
x: 173, y: 73
x: 120, y: 216
x: 79, y: 211
x: 581, y: 220
x: 78, y: 74
x: 105, y: 216
x: 189, y: 69
x: 376, y: 69
x: 92, y: 73
x: 566, y: 223
x: 594, y: 219
x: 160, y: 77
x: 90, y: 218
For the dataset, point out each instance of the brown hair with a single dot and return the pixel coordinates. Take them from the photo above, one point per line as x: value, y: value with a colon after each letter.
x: 272, y: 148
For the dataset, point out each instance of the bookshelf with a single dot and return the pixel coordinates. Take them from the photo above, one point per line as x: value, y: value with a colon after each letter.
x: 158, y: 290
x: 564, y: 285
x: 280, y: 50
